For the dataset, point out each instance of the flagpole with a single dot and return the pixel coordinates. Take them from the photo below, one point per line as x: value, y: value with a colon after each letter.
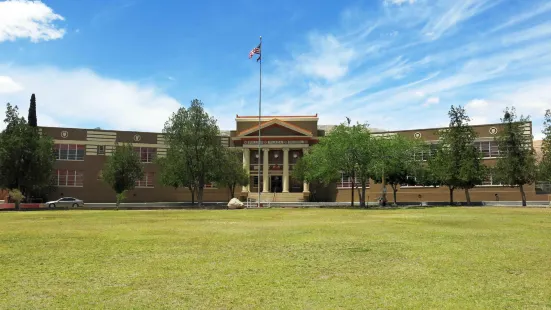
x: 259, y: 121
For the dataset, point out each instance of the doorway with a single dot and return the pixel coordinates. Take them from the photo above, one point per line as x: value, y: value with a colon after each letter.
x: 276, y: 184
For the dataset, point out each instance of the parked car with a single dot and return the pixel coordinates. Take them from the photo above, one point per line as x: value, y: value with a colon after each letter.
x: 65, y: 202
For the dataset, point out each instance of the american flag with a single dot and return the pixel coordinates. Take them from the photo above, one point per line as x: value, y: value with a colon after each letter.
x: 255, y: 50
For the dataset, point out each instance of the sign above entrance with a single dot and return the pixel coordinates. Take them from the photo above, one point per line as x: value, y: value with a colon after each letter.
x: 272, y: 142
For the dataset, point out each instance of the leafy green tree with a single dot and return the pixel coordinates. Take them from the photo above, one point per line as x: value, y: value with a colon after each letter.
x: 32, y: 112
x: 174, y: 173
x: 454, y: 152
x: 26, y: 157
x: 395, y: 161
x: 473, y: 171
x: 346, y: 149
x: 516, y: 165
x: 545, y: 163
x: 122, y: 170
x: 193, y: 134
x: 231, y: 172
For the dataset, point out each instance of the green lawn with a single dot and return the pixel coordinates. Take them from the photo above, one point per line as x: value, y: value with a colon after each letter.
x: 485, y: 258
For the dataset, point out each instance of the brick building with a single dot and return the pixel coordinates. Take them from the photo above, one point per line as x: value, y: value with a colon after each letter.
x: 81, y: 154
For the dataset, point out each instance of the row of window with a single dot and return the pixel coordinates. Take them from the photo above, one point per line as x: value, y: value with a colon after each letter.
x: 75, y: 178
x: 346, y: 182
x: 77, y: 151
x: 489, y: 149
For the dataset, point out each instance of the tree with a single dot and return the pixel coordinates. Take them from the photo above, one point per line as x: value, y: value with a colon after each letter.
x: 456, y: 154
x: 516, y: 165
x: 26, y: 157
x: 346, y: 149
x: 545, y: 163
x: 32, y: 112
x: 16, y: 196
x: 174, y: 173
x: 122, y: 170
x: 395, y: 161
x: 473, y: 171
x: 231, y: 172
x: 192, y: 134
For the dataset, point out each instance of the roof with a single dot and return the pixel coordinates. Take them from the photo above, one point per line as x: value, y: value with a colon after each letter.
x: 275, y: 121
x: 277, y: 116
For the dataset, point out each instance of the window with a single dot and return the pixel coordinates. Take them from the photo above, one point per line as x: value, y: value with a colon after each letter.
x: 69, y: 178
x: 413, y: 182
x: 490, y: 182
x: 147, y: 180
x: 426, y: 153
x: 346, y: 182
x: 255, y: 181
x: 489, y: 149
x: 210, y: 185
x: 147, y: 154
x: 69, y: 151
x: 101, y: 149
x: 411, y: 179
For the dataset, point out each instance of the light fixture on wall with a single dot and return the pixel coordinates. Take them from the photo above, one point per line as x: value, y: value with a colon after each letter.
x: 276, y: 155
x: 295, y: 155
x: 256, y: 155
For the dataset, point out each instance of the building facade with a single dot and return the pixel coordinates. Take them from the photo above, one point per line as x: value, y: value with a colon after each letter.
x: 81, y: 155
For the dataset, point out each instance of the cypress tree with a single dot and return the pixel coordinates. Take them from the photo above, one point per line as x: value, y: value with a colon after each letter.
x: 32, y: 112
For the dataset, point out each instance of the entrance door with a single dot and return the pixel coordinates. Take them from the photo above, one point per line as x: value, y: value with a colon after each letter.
x: 276, y: 184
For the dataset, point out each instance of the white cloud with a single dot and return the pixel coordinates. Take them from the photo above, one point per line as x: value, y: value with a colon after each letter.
x: 431, y: 101
x: 83, y: 98
x: 541, y: 8
x: 399, y: 2
x: 8, y: 85
x: 28, y: 19
x: 454, y: 13
x: 328, y: 59
x: 536, y: 32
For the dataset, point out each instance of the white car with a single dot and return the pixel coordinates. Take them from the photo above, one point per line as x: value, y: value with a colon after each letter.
x: 65, y: 202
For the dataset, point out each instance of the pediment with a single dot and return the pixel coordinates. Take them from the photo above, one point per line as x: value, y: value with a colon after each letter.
x: 276, y: 127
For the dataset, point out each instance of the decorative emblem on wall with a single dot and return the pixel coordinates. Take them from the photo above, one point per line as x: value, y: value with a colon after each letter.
x: 493, y: 130
x: 64, y: 134
x: 417, y: 135
x: 137, y: 138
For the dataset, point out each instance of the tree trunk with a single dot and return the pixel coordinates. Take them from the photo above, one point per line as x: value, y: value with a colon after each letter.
x: 230, y: 192
x: 192, y: 190
x: 394, y: 191
x: 451, y: 195
x: 522, y: 195
x: 353, y: 187
x: 468, y: 196
x: 362, y: 197
x: 200, y: 196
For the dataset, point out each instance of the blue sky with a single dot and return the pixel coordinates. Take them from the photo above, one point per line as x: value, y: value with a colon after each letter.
x: 397, y: 64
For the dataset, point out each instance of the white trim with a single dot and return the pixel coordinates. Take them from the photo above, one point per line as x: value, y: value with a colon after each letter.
x: 275, y: 121
x: 286, y: 119
x: 87, y: 142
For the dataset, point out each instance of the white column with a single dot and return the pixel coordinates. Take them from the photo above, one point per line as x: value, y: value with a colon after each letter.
x: 246, y: 166
x: 265, y: 171
x: 286, y: 170
x: 306, y: 185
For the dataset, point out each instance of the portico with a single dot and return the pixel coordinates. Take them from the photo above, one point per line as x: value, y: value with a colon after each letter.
x: 282, y: 143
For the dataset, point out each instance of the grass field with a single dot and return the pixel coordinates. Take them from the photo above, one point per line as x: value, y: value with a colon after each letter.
x: 278, y: 258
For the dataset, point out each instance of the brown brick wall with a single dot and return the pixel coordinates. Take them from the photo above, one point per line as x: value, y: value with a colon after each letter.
x: 430, y: 194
